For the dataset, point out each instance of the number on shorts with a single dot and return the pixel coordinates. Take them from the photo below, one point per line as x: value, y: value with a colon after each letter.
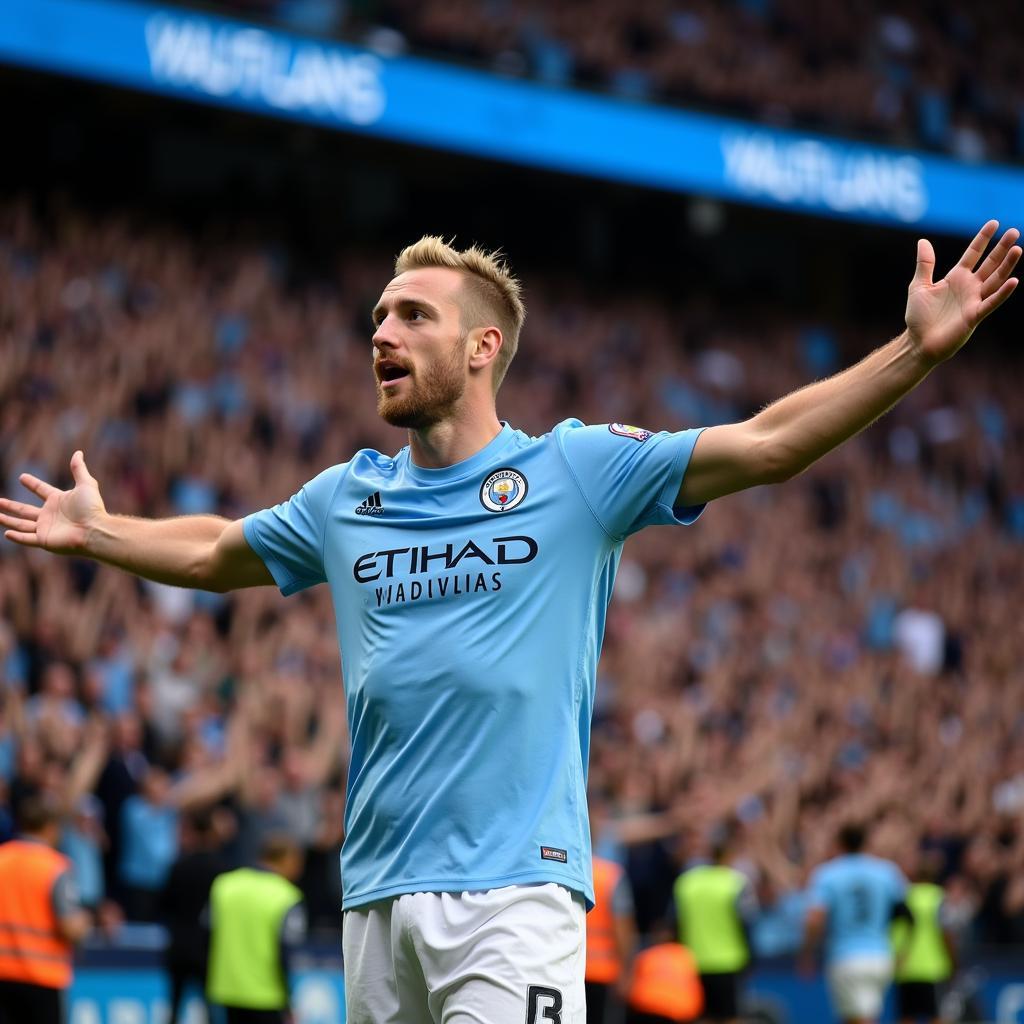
x: 550, y: 1009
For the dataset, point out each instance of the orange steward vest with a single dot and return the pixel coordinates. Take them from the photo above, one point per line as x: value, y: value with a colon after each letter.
x: 665, y: 983
x: 32, y: 950
x: 604, y: 965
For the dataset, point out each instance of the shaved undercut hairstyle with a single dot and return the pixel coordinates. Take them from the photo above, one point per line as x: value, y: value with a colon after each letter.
x: 491, y: 295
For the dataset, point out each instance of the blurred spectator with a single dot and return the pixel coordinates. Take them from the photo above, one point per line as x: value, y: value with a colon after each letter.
x: 611, y: 931
x: 256, y: 920
x: 183, y: 905
x: 41, y: 918
x: 924, y: 945
x: 664, y: 985
x: 714, y: 908
x: 149, y: 845
x: 150, y: 821
x: 83, y: 841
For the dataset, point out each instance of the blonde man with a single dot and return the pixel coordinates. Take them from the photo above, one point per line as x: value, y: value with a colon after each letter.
x: 470, y: 575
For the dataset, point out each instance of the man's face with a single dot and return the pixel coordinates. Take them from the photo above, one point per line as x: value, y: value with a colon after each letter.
x: 419, y: 351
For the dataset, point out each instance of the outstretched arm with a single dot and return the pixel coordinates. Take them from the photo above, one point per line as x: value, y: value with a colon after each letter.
x: 205, y: 552
x: 792, y: 433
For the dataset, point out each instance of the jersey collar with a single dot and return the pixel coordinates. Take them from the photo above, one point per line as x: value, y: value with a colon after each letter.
x: 467, y: 467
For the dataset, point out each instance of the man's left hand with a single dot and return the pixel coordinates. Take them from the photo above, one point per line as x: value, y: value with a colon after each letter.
x: 942, y: 315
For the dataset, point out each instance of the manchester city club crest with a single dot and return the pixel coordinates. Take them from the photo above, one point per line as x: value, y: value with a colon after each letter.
x: 503, y: 490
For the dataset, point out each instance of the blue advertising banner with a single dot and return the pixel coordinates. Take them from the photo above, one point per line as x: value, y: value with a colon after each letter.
x: 229, y: 63
x: 141, y: 996
x: 778, y: 996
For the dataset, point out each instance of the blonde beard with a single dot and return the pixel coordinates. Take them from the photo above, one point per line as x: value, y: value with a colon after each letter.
x: 431, y: 397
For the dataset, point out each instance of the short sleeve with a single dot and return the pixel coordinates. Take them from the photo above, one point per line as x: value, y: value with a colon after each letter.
x: 818, y: 891
x: 290, y: 537
x: 629, y: 477
x: 65, y: 896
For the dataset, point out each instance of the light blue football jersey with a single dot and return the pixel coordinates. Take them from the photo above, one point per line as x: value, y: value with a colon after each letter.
x: 470, y: 604
x: 859, y: 892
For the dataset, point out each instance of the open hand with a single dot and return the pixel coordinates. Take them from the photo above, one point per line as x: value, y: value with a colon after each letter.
x: 63, y: 522
x: 942, y: 315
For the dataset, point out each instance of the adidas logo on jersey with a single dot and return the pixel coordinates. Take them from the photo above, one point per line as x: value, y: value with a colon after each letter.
x: 371, y: 506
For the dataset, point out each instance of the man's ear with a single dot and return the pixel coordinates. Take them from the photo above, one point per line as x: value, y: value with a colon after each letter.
x: 484, y: 345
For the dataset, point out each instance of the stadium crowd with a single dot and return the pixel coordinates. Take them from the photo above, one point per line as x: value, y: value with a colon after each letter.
x: 941, y: 75
x: 842, y: 647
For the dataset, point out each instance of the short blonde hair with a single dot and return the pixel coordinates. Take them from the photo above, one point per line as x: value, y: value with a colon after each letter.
x: 493, y: 295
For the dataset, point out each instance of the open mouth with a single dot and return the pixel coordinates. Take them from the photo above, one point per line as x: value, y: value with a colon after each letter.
x: 389, y: 372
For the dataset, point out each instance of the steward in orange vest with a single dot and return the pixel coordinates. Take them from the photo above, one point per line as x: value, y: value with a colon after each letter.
x: 40, y: 919
x: 610, y: 937
x: 665, y: 987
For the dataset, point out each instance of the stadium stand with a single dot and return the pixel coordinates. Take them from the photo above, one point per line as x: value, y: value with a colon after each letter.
x: 843, y: 647
x: 941, y: 76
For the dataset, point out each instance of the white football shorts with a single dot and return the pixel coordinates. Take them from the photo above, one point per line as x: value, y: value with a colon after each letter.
x: 857, y: 985
x: 503, y: 956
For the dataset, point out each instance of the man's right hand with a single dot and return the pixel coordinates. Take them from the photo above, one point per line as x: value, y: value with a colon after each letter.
x: 205, y: 552
x: 63, y: 522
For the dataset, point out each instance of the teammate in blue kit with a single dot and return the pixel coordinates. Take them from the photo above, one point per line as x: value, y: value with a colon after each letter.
x: 466, y: 863
x: 854, y: 899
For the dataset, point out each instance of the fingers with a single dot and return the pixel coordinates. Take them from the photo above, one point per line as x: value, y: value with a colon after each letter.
x: 28, y: 540
x: 9, y: 522
x: 998, y: 253
x: 925, y: 263
x: 977, y: 248
x: 19, y: 508
x: 994, y: 301
x: 40, y: 488
x: 999, y: 277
